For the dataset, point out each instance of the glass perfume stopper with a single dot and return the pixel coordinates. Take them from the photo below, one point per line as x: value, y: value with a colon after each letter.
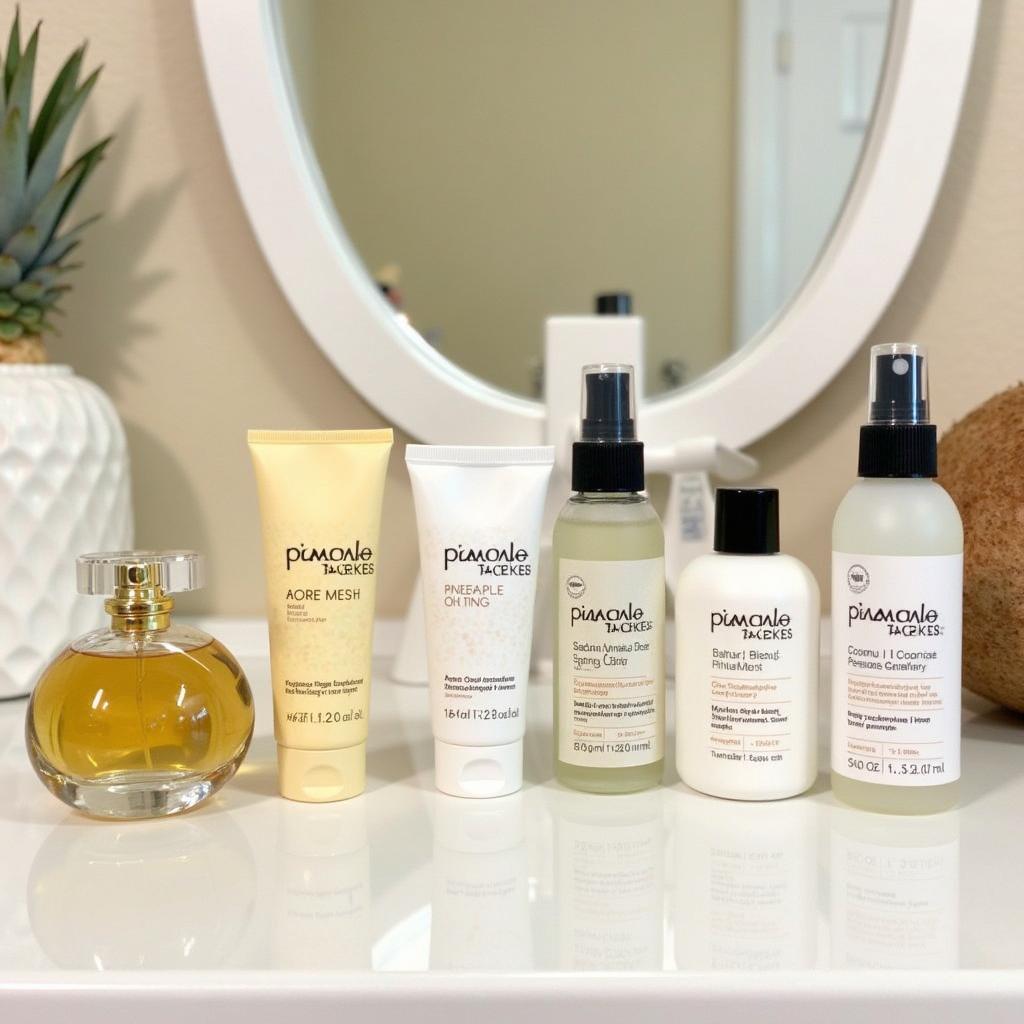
x: 104, y: 573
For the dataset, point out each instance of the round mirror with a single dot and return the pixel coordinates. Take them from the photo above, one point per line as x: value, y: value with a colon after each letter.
x: 431, y: 179
x: 499, y: 161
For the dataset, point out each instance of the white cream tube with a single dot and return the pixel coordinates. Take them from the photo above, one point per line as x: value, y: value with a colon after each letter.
x: 479, y: 513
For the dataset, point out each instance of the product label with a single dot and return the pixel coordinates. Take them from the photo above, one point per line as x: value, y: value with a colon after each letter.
x: 316, y: 600
x: 479, y: 591
x: 611, y: 676
x: 896, y: 668
x: 747, y: 667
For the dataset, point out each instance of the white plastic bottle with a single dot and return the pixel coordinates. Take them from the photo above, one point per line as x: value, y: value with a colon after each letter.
x: 747, y: 622
x: 897, y: 581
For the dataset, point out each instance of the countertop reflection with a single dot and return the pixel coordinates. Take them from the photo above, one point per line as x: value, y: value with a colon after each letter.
x: 548, y: 880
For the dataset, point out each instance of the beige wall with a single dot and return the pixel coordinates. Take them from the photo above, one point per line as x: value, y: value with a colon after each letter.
x: 517, y: 158
x: 178, y: 318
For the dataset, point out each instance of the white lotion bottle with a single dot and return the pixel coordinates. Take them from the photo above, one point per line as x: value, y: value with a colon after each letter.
x: 747, y: 624
x: 897, y: 592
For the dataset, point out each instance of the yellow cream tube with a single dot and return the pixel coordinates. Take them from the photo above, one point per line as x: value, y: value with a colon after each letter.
x: 320, y: 497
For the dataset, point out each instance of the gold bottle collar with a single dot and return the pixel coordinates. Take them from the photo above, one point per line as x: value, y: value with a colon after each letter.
x: 139, y: 603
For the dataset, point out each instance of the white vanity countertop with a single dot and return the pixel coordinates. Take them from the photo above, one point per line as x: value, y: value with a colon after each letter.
x: 404, y: 904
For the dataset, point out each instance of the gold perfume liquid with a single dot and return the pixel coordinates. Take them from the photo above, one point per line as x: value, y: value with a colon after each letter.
x: 100, y: 716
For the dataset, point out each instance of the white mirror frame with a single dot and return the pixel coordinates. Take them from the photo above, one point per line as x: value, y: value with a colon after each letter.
x: 754, y: 391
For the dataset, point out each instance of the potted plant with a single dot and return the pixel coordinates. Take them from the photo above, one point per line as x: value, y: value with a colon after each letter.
x: 64, y: 484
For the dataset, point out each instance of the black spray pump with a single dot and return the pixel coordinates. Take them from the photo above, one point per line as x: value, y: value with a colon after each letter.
x: 898, y: 440
x: 899, y: 385
x: 608, y: 457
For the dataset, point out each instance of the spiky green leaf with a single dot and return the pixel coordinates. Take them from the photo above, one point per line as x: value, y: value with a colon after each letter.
x: 27, y: 291
x: 19, y: 90
x: 13, y: 168
x: 57, y: 99
x: 29, y: 316
x: 24, y: 245
x: 49, y: 275
x: 10, y: 330
x: 61, y: 246
x: 10, y: 271
x: 13, y: 51
x: 58, y: 249
x: 27, y: 244
x: 9, y: 305
x: 80, y: 171
x: 51, y: 296
x: 47, y: 164
x: 46, y: 275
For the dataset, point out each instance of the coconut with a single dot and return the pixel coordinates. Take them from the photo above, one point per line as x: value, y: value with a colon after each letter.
x: 981, y: 462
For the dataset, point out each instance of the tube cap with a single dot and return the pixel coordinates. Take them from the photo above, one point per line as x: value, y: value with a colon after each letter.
x: 478, y: 772
x: 747, y: 520
x: 319, y: 776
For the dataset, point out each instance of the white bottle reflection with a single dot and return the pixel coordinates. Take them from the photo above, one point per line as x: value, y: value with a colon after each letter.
x: 322, y: 909
x: 746, y: 884
x: 480, y: 908
x: 610, y: 880
x: 143, y: 894
x: 895, y: 890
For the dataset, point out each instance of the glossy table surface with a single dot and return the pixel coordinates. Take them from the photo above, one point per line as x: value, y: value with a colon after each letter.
x: 404, y: 893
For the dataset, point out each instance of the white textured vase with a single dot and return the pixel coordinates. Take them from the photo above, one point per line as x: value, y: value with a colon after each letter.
x: 64, y: 490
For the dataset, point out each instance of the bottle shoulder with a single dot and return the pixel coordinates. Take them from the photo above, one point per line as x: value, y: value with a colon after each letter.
x: 747, y: 577
x: 631, y: 509
x: 176, y: 639
x: 897, y: 517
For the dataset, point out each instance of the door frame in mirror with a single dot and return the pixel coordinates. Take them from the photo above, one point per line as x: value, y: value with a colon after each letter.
x: 758, y: 388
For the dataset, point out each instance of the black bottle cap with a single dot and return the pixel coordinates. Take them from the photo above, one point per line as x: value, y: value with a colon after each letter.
x: 613, y: 304
x: 904, y: 450
x: 747, y: 520
x: 609, y: 468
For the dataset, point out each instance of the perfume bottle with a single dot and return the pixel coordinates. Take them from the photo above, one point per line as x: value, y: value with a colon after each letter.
x: 146, y: 718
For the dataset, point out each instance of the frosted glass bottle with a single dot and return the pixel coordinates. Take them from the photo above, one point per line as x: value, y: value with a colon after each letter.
x: 905, y: 518
x: 897, y: 577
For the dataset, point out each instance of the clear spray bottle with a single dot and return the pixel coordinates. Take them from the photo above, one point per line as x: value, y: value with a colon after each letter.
x: 609, y: 554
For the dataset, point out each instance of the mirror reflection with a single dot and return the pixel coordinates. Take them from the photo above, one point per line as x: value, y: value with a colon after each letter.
x: 496, y: 162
